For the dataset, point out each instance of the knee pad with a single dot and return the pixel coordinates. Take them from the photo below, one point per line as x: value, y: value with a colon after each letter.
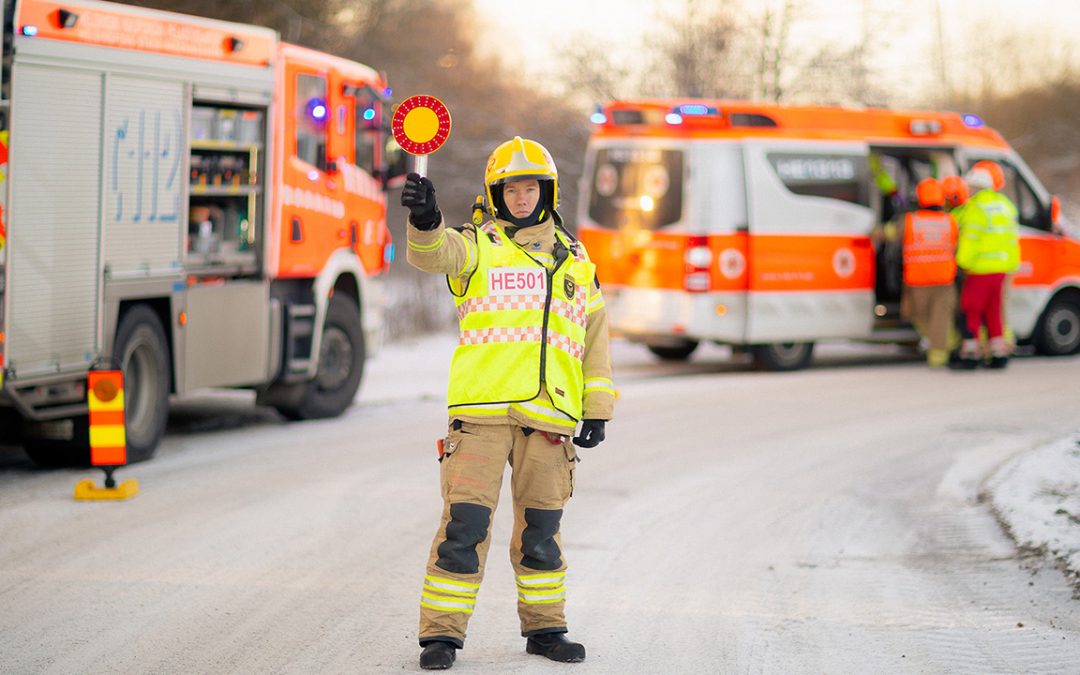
x: 538, y: 548
x: 467, y: 528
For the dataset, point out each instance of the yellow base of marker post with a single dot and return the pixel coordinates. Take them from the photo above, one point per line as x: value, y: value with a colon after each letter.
x: 85, y: 490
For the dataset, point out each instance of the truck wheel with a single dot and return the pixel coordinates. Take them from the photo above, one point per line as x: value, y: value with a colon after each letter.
x: 679, y: 351
x: 143, y: 354
x: 783, y: 355
x: 1058, y: 330
x: 341, y: 366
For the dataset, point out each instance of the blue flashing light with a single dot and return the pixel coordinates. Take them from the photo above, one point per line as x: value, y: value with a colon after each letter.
x: 388, y: 92
x: 691, y: 109
x: 369, y: 114
x: 972, y: 120
x: 29, y: 31
x: 598, y: 118
x: 673, y: 118
x: 317, y: 110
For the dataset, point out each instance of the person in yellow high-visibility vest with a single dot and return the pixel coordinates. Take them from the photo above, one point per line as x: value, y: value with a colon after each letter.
x: 532, y: 363
x: 988, y: 251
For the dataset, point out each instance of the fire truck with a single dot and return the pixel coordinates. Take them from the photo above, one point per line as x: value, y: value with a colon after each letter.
x: 193, y: 201
x: 753, y: 225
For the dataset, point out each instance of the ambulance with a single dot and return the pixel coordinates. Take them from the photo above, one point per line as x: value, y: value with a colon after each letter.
x: 192, y: 201
x: 756, y: 225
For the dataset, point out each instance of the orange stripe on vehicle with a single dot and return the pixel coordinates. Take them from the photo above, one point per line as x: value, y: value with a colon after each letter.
x: 739, y: 262
x: 126, y: 29
x: 811, y: 263
x: 1047, y: 260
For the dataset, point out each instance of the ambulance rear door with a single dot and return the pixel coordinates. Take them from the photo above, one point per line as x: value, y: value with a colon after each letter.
x: 809, y: 257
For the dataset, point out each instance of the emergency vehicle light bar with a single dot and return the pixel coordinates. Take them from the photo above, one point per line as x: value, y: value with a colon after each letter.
x: 696, y: 109
x: 972, y: 120
x: 924, y: 127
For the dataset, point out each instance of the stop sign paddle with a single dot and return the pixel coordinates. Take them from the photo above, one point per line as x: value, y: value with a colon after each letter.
x: 421, y: 124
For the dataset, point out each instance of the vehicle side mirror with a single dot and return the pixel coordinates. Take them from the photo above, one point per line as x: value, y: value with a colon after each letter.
x: 1055, y: 210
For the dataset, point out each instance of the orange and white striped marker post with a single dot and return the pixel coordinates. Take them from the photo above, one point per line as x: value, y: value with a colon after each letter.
x: 108, y: 440
x: 421, y: 124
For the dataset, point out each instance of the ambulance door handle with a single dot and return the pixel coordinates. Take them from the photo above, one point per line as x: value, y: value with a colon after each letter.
x: 742, y: 228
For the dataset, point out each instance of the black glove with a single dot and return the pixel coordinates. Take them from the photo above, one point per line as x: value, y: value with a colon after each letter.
x: 418, y: 196
x: 592, y: 432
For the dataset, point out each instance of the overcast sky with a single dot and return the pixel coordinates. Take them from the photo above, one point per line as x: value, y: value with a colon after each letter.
x: 908, y: 31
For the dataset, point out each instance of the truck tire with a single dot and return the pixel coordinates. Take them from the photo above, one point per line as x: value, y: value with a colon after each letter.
x: 341, y: 366
x: 783, y: 355
x: 142, y: 351
x: 1058, y: 330
x: 673, y: 351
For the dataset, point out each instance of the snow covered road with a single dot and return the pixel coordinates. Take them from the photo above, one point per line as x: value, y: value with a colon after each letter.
x: 821, y: 521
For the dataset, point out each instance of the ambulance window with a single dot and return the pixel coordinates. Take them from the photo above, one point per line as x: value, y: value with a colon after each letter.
x: 1021, y: 194
x: 368, y: 118
x: 833, y: 176
x: 311, y: 116
x: 636, y: 188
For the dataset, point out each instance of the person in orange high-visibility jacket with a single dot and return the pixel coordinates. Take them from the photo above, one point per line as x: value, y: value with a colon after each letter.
x: 532, y: 363
x: 929, y: 246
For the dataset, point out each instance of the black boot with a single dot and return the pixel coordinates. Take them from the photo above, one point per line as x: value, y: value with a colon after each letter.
x: 998, y: 362
x: 556, y: 647
x: 437, y: 656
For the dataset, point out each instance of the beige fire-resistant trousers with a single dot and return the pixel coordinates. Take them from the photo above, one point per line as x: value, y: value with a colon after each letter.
x: 932, y: 309
x: 472, y: 467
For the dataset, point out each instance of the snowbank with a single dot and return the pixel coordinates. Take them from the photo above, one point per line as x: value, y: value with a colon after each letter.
x: 1036, y: 496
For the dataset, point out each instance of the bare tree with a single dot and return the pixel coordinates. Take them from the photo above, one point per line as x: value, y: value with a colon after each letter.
x: 592, y: 72
x: 691, y: 50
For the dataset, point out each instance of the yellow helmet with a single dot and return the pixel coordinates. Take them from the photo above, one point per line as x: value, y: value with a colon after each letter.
x: 520, y: 159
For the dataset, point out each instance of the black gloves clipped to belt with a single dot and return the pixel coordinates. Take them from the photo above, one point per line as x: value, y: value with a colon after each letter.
x: 418, y: 196
x: 592, y: 432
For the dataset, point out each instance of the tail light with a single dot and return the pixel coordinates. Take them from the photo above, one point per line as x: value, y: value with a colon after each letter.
x: 697, y: 262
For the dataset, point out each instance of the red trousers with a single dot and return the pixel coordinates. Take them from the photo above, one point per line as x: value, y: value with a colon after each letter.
x: 980, y: 300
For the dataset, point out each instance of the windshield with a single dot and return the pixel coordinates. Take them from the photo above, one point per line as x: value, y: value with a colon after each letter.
x: 636, y: 188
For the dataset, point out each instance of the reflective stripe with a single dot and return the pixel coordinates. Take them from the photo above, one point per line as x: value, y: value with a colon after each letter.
x: 595, y: 303
x: 535, y: 598
x: 574, y: 311
x: 566, y: 344
x: 444, y: 604
x: 447, y: 595
x: 499, y: 304
x: 442, y: 583
x: 541, y: 589
x: 500, y: 334
x: 427, y: 248
x: 536, y: 406
x: 534, y: 580
x: 481, y: 409
x: 597, y: 384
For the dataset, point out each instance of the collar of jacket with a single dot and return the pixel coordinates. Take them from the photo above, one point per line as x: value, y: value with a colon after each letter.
x: 543, y: 232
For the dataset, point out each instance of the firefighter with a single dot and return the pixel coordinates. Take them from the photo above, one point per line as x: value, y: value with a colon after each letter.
x: 929, y: 246
x: 955, y: 191
x: 956, y: 195
x: 532, y: 361
x: 988, y: 250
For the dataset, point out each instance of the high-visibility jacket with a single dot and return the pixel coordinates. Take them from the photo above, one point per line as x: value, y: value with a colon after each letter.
x: 989, y: 235
x: 522, y: 326
x: 929, y: 248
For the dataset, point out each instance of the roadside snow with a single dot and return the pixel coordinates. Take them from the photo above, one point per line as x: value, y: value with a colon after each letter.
x: 1036, y: 496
